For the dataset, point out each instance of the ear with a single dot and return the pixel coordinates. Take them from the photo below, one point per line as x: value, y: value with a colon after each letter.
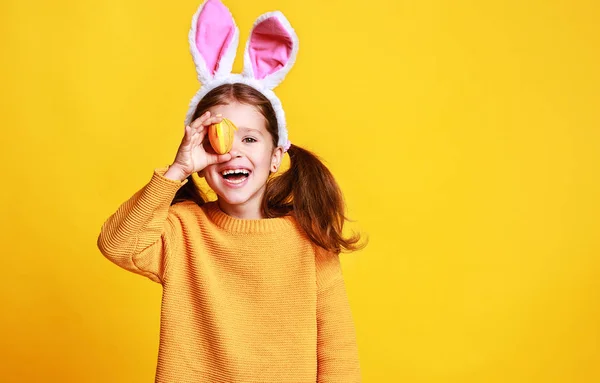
x: 213, y: 40
x: 271, y: 49
x: 276, y: 159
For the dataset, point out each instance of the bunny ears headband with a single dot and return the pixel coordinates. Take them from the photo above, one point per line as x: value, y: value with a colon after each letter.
x: 269, y: 55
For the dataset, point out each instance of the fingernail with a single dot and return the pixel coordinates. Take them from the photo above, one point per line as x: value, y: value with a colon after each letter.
x: 219, y: 115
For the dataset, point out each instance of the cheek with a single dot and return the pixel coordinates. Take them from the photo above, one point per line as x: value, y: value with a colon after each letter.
x: 264, y: 161
x: 210, y: 173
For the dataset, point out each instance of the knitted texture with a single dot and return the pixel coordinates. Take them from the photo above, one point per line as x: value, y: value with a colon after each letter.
x: 243, y: 300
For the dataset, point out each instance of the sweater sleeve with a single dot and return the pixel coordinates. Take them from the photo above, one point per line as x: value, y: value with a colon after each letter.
x: 337, y: 350
x: 139, y: 236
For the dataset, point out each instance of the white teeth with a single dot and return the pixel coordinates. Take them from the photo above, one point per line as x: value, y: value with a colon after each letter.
x: 235, y: 171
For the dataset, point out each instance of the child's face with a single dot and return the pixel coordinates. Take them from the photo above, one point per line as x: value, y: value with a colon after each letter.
x: 252, y: 150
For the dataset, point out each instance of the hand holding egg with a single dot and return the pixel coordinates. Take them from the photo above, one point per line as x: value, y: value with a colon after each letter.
x: 191, y: 155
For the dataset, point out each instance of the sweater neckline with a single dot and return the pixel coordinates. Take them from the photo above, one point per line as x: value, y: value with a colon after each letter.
x: 240, y: 225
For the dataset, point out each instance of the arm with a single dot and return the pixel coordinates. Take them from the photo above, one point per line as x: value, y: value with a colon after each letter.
x: 337, y: 350
x: 139, y: 235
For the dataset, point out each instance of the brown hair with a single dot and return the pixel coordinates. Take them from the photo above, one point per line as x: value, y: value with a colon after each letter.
x: 307, y: 190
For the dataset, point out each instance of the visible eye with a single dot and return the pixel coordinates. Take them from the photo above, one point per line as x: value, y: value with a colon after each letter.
x: 249, y: 138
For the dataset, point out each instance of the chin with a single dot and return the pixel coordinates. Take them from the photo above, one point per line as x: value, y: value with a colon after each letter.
x: 233, y: 198
x: 236, y: 193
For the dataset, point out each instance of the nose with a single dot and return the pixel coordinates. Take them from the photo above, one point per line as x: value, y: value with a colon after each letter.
x: 235, y: 149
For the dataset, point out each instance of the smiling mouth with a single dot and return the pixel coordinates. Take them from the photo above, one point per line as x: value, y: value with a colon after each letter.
x: 236, y: 176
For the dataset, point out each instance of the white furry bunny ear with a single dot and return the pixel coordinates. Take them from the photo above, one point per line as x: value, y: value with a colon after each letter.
x: 213, y: 39
x: 271, y: 49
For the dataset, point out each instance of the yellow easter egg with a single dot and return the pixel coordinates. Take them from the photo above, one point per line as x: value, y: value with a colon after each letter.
x: 221, y: 135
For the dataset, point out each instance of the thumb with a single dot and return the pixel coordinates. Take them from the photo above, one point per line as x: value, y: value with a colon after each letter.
x: 218, y: 158
x: 224, y: 157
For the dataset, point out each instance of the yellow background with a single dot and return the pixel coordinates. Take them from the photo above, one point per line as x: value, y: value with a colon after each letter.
x: 464, y: 134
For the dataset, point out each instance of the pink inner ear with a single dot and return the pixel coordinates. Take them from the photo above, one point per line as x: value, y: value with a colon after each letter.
x: 270, y: 47
x: 214, y: 30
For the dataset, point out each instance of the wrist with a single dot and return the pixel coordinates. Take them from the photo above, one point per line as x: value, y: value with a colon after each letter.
x: 174, y: 172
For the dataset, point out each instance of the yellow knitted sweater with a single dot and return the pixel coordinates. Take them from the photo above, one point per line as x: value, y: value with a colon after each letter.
x: 243, y: 300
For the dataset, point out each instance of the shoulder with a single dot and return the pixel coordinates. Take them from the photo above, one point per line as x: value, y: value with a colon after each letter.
x: 186, y: 212
x: 185, y: 207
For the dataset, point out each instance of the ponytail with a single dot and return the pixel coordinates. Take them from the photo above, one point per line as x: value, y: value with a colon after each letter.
x: 309, y: 191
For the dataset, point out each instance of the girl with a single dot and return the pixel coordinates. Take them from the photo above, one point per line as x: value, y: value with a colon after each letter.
x: 252, y: 285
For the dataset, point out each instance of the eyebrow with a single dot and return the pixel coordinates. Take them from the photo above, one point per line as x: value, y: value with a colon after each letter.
x: 249, y: 130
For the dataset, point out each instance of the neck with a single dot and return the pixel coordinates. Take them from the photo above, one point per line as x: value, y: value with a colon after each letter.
x: 246, y: 210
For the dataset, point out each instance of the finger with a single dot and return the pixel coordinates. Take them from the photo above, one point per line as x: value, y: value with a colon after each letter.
x: 224, y: 157
x: 198, y: 138
x: 189, y: 132
x: 212, y: 120
x: 198, y: 121
x: 213, y: 158
x: 199, y: 129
